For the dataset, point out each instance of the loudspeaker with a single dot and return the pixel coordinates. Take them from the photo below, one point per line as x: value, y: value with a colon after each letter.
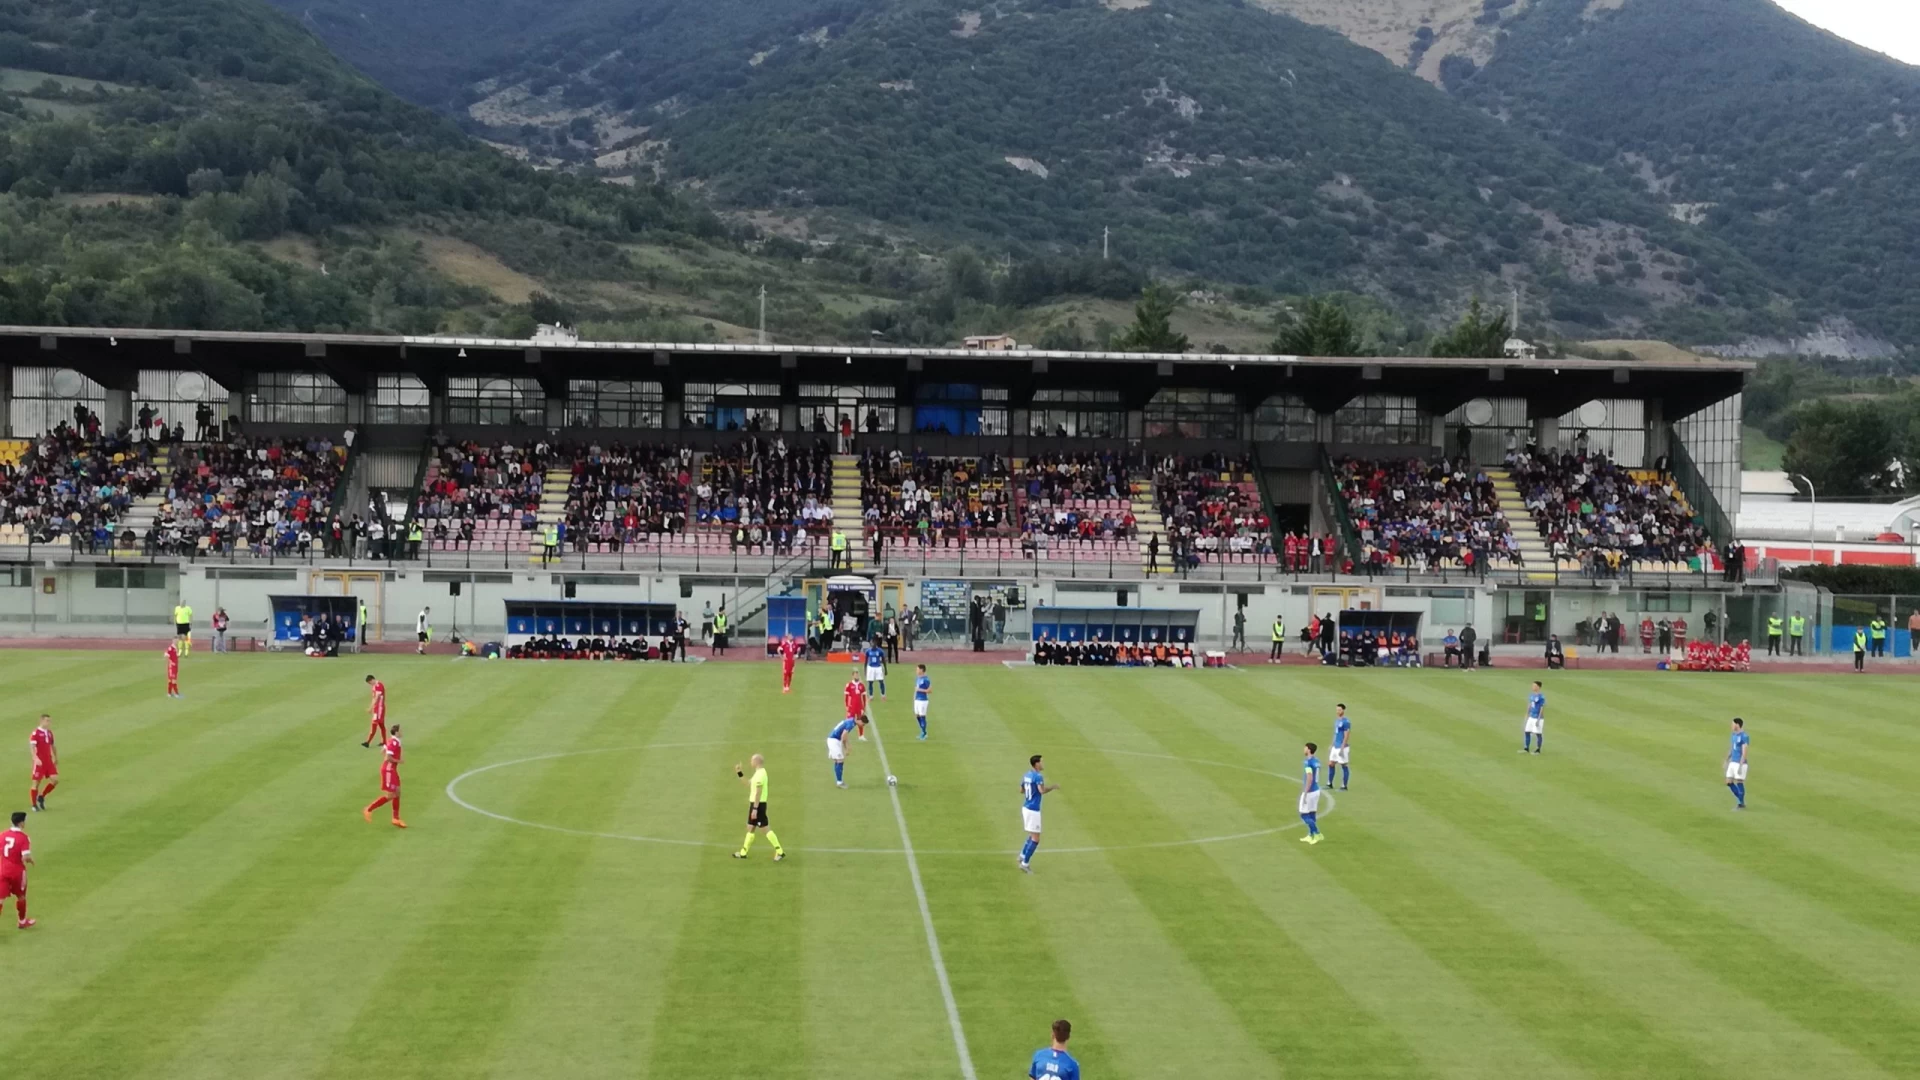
x: 570, y: 587
x: 453, y: 588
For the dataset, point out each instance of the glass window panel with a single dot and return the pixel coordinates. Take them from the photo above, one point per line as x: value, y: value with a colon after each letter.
x: 43, y: 397
x: 295, y: 397
x: 496, y: 401
x: 1383, y: 419
x: 615, y: 404
x: 1193, y: 414
x: 1285, y: 418
x: 401, y: 399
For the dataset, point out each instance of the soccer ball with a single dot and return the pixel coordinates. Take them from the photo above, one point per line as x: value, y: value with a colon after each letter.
x: 893, y: 781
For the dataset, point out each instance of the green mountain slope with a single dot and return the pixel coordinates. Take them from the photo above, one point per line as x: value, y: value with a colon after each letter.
x: 1213, y: 138
x: 161, y: 158
x: 1793, y: 146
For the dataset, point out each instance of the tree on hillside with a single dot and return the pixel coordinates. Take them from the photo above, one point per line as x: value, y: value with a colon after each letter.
x: 1321, y: 327
x: 1152, y: 329
x: 1474, y: 335
x: 1844, y: 447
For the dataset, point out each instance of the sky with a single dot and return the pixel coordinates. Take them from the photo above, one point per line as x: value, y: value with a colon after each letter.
x: 1889, y: 26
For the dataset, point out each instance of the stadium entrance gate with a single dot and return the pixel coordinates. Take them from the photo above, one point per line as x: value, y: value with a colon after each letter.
x: 368, y: 586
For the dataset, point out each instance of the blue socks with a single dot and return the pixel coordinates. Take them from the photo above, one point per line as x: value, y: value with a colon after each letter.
x: 1027, y: 849
x: 1739, y: 793
x: 1526, y: 740
x: 923, y: 726
x: 1313, y: 826
x: 1330, y: 776
x: 839, y: 771
x: 1344, y: 774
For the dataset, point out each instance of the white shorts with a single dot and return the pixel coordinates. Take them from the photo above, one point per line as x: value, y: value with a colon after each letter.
x: 1310, y: 802
x: 1339, y: 755
x: 836, y: 750
x: 1737, y: 770
x: 1029, y: 820
x: 1536, y: 725
x: 920, y: 707
x: 875, y: 674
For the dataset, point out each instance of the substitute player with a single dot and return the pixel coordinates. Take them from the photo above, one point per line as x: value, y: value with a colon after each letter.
x: 1737, y: 763
x: 1341, y: 749
x: 1310, y: 797
x: 173, y: 670
x: 789, y: 652
x: 757, y: 808
x: 1032, y: 787
x: 389, y: 781
x: 922, y: 687
x: 855, y: 696
x: 1054, y: 1061
x: 1534, y: 737
x: 876, y: 667
x: 837, y: 751
x: 16, y: 854
x: 46, y: 764
x: 377, y: 711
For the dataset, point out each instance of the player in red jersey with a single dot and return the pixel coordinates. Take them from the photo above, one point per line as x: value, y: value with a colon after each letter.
x: 855, y: 693
x: 46, y: 764
x: 789, y: 651
x: 378, y: 710
x: 389, y: 781
x: 173, y: 670
x: 16, y: 854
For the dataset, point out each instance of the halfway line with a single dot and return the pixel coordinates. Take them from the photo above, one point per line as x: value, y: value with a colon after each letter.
x: 926, y: 915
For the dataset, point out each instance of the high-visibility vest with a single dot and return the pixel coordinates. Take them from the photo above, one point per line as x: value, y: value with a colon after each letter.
x: 1797, y: 626
x: 551, y: 536
x: 839, y: 540
x: 416, y: 533
x: 1879, y: 628
x: 1773, y: 626
x: 719, y: 622
x: 1859, y: 641
x: 1279, y: 630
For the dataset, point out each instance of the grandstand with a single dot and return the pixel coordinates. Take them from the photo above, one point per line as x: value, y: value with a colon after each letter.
x: 726, y: 470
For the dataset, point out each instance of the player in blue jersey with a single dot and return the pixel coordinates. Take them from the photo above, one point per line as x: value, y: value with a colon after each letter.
x: 1737, y: 763
x: 1534, y: 732
x: 922, y: 687
x: 876, y: 668
x: 1341, y: 751
x: 1310, y: 796
x: 1032, y: 786
x: 1054, y: 1061
x: 837, y: 750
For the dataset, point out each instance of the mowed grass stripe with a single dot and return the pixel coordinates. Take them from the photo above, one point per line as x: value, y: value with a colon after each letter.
x: 1439, y: 1015
x: 734, y: 992
x: 453, y: 1015
x: 1661, y: 803
x: 1784, y: 952
x: 1801, y: 780
x: 312, y: 986
x: 1251, y: 968
x: 1003, y: 961
x: 199, y: 941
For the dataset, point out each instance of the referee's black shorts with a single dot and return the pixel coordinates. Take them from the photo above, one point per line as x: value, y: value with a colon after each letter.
x: 181, y: 629
x: 757, y: 815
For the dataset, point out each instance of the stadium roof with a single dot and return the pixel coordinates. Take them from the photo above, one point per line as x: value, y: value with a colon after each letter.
x: 112, y: 356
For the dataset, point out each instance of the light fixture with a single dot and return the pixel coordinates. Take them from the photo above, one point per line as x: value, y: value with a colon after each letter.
x: 849, y: 361
x: 113, y: 341
x: 463, y: 354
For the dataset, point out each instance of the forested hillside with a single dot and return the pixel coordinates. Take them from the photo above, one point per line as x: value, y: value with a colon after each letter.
x: 1797, y: 148
x: 206, y: 163
x: 1213, y: 138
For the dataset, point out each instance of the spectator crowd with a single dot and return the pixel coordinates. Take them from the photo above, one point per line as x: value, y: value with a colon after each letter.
x: 1590, y: 510
x: 1424, y: 515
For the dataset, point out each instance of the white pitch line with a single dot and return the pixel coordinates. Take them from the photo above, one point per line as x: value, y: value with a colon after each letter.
x: 926, y: 916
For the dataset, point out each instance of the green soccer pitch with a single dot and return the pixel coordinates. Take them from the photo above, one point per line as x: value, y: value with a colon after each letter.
x: 211, y: 903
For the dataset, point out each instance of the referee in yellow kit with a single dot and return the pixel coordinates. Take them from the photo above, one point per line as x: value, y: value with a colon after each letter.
x: 757, y: 808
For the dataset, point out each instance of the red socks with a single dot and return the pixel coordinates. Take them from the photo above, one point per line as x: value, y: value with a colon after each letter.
x: 377, y: 727
x: 48, y: 790
x: 396, y: 807
x: 380, y: 802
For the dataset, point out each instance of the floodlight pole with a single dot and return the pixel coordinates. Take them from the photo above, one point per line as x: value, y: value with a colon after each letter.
x: 1813, y: 507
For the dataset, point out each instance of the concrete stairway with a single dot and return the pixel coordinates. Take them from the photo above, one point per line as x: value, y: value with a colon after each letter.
x: 1146, y: 518
x: 553, y: 509
x: 847, y: 510
x: 139, y: 517
x: 1534, y: 554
